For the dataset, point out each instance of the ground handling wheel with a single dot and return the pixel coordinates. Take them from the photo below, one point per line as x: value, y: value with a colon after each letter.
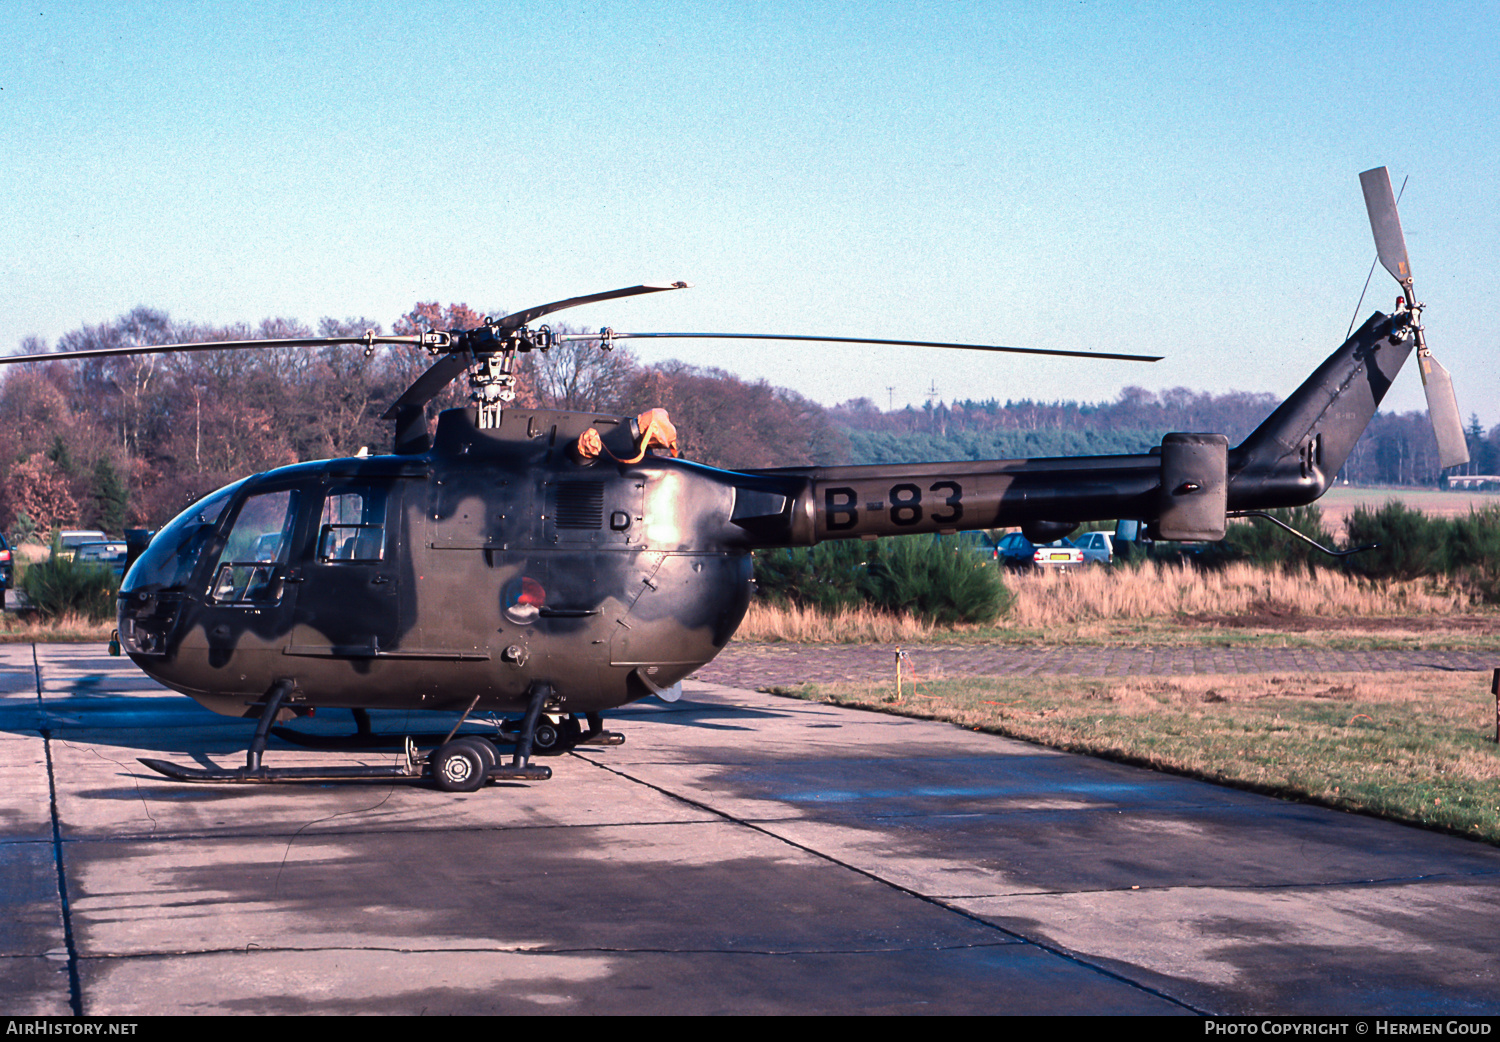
x: 487, y: 750
x: 460, y: 766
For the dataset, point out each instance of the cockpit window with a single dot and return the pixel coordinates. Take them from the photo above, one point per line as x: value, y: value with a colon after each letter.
x: 170, y: 558
x: 258, y: 543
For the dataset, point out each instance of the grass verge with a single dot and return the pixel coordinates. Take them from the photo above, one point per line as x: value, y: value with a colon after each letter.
x: 1166, y: 604
x: 1412, y: 747
x: 70, y: 628
x: 1154, y: 590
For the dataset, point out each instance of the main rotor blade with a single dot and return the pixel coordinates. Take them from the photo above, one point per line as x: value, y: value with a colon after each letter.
x: 1442, y: 409
x: 1385, y: 223
x: 430, y: 384
x: 520, y: 318
x: 211, y: 345
x: 566, y: 337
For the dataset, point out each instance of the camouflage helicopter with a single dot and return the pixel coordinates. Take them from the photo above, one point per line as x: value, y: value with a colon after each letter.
x: 556, y: 564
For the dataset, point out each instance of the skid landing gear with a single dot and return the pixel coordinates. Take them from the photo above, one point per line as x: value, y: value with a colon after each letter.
x: 552, y: 737
x: 597, y: 735
x: 559, y: 733
x: 457, y: 765
x: 256, y: 772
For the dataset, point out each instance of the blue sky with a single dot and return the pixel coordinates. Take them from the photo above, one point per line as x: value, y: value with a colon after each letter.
x: 1178, y: 179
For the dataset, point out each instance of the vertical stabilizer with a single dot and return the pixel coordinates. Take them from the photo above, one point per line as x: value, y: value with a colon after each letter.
x: 1292, y: 457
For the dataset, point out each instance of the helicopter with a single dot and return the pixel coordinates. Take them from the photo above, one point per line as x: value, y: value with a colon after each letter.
x: 554, y: 565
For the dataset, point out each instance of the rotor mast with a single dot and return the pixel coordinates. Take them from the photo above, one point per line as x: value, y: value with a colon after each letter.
x: 488, y: 355
x: 492, y: 373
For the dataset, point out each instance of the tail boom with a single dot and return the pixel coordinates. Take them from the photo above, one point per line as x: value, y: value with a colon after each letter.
x: 1183, y: 488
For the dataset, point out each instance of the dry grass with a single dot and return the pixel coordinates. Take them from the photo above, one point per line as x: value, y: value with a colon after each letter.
x: 1163, y: 591
x: 1414, y: 747
x: 1152, y: 604
x: 25, y: 628
x: 31, y: 553
x: 809, y: 626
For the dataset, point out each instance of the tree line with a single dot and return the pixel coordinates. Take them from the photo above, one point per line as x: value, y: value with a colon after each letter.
x: 128, y: 441
x: 1396, y: 448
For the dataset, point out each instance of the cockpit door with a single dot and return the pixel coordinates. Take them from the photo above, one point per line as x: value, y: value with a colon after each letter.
x: 349, y: 602
x: 251, y: 571
x: 251, y: 591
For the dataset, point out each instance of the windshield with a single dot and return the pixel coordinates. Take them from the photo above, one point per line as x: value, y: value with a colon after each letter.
x: 170, y: 558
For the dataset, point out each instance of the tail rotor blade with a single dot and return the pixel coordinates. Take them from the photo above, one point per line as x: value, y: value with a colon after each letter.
x: 1442, y: 409
x: 1385, y: 223
x: 1390, y: 245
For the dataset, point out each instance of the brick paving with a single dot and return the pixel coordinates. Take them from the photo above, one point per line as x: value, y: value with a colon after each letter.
x: 751, y: 665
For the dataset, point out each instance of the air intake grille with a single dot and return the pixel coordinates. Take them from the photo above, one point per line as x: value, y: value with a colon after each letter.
x: 579, y: 504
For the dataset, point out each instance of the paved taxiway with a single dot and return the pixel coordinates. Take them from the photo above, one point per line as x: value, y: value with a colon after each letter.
x: 741, y: 853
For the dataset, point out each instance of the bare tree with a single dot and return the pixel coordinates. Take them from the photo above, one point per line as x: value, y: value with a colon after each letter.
x: 581, y: 376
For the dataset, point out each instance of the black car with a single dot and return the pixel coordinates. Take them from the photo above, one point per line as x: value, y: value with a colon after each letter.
x: 6, y: 564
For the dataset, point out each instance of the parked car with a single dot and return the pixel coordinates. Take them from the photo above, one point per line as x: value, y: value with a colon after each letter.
x: 1060, y: 554
x: 70, y: 539
x: 1016, y: 551
x: 980, y: 545
x: 1097, y: 547
x: 6, y: 564
x: 110, y: 552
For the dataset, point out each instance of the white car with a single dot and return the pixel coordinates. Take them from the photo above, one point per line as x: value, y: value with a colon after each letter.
x: 1060, y: 554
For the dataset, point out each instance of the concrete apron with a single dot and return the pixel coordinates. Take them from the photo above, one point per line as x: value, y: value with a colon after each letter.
x: 741, y: 853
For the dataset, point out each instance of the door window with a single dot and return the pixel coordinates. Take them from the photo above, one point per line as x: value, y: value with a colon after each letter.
x: 352, y: 527
x: 249, y: 567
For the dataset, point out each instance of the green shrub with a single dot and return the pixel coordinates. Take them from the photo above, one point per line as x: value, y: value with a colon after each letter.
x: 1409, y: 543
x: 1412, y: 545
x: 828, y: 576
x: 1259, y: 542
x: 22, y: 529
x: 936, y: 579
x: 60, y: 586
x: 1471, y: 551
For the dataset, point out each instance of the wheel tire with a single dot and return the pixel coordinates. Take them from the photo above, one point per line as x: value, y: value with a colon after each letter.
x: 546, y: 738
x: 458, y: 767
x: 554, y: 739
x: 487, y: 750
